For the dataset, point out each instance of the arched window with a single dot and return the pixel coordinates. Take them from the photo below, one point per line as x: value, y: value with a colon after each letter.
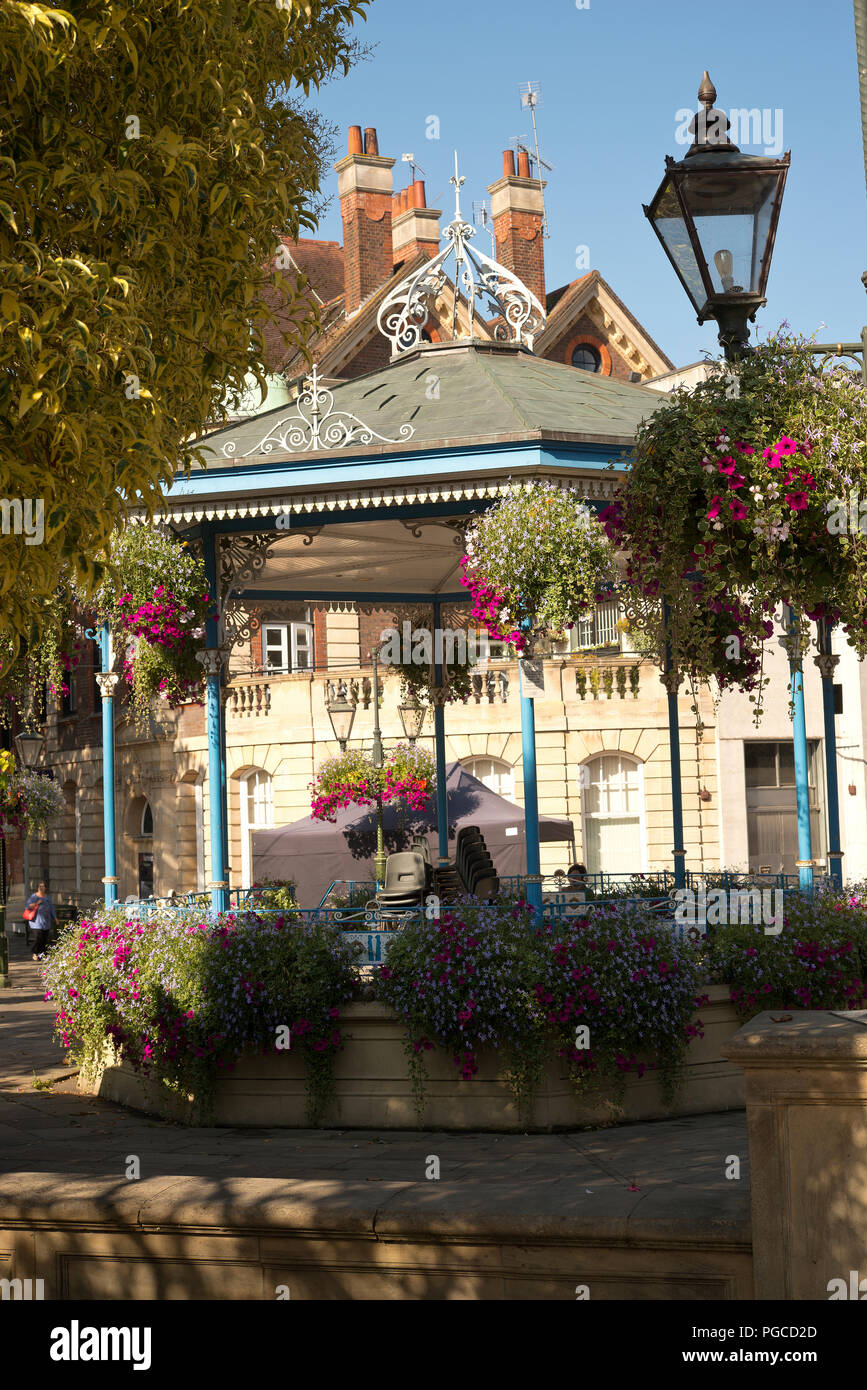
x: 147, y: 819
x: 586, y: 358
x: 257, y: 813
x: 496, y: 775
x: 613, y: 814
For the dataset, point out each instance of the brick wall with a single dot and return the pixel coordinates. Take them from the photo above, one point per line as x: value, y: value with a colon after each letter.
x: 521, y: 248
x: 371, y: 628
x: 366, y: 244
x: 371, y: 357
x: 586, y: 328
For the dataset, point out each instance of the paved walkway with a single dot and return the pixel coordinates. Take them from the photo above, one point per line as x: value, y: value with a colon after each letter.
x: 670, y: 1170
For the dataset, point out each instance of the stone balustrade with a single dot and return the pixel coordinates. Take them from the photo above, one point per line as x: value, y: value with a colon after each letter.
x: 248, y: 698
x: 600, y: 680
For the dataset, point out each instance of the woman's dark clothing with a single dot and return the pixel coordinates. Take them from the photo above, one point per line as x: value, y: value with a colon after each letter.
x: 45, y: 914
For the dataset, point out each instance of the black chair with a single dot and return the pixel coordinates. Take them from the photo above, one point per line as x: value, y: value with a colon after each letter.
x: 467, y: 851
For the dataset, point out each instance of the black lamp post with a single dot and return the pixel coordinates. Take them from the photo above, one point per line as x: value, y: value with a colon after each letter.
x: 29, y: 749
x: 716, y: 214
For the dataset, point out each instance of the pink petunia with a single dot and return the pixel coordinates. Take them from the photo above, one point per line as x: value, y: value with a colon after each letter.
x: 715, y: 505
x: 737, y: 509
x: 745, y: 448
x: 797, y: 501
x: 727, y: 465
x: 786, y: 446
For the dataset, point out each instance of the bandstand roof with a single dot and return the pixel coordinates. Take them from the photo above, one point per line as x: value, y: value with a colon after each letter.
x: 441, y: 424
x: 356, y: 491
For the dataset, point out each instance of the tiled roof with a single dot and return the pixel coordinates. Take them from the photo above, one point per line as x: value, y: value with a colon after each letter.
x: 322, y: 263
x: 486, y: 392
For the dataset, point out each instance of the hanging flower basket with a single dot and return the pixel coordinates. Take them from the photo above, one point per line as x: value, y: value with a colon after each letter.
x: 30, y: 803
x: 536, y: 563
x: 740, y: 493
x: 408, y: 775
x: 156, y: 605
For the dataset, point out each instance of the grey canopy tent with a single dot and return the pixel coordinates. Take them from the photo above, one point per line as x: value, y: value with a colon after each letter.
x: 313, y: 853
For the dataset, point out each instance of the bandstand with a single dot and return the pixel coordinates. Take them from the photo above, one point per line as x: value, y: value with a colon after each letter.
x: 358, y: 493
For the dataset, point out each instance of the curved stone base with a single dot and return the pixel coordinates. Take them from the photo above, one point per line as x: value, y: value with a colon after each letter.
x: 374, y: 1090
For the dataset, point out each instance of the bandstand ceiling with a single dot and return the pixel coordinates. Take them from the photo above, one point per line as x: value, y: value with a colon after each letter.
x: 367, y: 557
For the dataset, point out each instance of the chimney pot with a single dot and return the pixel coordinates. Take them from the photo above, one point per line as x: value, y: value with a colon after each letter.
x: 355, y: 145
x: 418, y: 195
x: 523, y: 165
x: 508, y: 164
x: 371, y: 144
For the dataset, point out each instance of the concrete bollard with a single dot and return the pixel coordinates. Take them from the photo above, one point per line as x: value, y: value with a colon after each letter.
x: 805, y: 1080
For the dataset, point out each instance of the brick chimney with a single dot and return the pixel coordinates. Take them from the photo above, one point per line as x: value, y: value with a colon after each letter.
x: 415, y: 227
x: 364, y: 184
x: 517, y: 210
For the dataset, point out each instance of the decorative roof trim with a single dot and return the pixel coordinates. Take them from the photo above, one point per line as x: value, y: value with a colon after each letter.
x: 317, y: 425
x: 600, y: 488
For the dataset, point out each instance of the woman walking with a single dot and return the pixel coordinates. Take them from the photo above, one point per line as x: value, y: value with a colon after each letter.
x: 45, y: 915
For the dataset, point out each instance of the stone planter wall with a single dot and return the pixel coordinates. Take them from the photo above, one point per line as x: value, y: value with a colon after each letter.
x: 374, y: 1091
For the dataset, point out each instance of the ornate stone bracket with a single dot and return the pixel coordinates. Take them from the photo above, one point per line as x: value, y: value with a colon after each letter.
x: 671, y: 680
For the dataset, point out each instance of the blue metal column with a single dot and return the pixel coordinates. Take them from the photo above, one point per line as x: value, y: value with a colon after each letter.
x: 826, y: 662
x: 107, y: 682
x: 440, y: 749
x: 671, y: 680
x: 531, y: 797
x: 212, y: 661
x: 799, y: 737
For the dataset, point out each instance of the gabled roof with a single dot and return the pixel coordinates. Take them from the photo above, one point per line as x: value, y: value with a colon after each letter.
x: 592, y: 294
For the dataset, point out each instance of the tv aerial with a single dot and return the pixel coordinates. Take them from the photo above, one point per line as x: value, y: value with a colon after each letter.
x: 482, y: 218
x: 531, y: 97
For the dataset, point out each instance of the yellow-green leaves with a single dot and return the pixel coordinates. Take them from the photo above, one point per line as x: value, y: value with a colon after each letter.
x: 149, y: 150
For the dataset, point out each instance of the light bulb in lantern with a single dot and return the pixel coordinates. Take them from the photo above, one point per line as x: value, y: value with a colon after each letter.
x: 723, y: 262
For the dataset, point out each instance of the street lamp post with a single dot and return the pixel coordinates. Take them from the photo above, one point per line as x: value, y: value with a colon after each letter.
x: 378, y: 760
x: 716, y: 214
x: 29, y: 748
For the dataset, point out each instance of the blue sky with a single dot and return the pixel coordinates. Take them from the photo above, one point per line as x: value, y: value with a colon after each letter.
x: 613, y: 76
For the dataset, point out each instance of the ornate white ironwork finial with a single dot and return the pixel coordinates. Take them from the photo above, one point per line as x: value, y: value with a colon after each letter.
x: 317, y: 425
x: 405, y: 311
x: 458, y: 180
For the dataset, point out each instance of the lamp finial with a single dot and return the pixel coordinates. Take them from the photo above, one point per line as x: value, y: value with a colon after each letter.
x: 707, y: 91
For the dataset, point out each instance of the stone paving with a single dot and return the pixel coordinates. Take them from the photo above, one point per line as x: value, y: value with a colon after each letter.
x: 668, y: 1170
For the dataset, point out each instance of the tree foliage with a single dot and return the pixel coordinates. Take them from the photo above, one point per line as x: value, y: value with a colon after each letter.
x: 151, y: 155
